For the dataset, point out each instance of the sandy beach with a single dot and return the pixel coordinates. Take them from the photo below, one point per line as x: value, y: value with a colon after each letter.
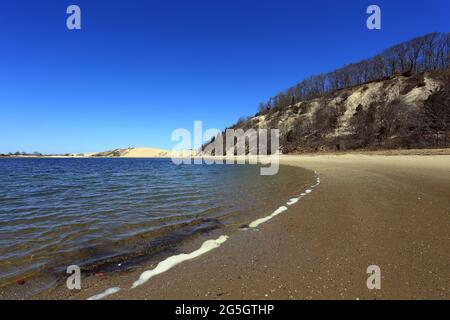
x: 390, y: 211
x: 212, y: 150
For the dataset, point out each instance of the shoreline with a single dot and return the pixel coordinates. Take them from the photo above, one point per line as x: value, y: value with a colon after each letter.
x: 122, y: 279
x: 381, y: 152
x: 389, y: 211
x: 167, y: 245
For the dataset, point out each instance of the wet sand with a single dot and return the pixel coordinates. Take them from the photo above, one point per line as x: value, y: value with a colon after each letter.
x: 391, y: 211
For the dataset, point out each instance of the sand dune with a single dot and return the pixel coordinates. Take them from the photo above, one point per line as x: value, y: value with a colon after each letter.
x: 146, y: 153
x: 142, y: 152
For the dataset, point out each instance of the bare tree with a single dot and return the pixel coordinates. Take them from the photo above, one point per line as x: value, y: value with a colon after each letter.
x: 426, y: 53
x: 436, y: 115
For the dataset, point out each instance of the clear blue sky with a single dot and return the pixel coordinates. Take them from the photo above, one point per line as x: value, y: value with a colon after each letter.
x: 139, y: 69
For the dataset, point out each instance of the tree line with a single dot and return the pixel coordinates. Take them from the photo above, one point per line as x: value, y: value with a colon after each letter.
x: 21, y: 153
x: 426, y: 53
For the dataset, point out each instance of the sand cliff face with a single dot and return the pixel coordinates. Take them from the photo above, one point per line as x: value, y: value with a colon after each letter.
x: 134, y: 153
x: 141, y: 152
x: 405, y: 111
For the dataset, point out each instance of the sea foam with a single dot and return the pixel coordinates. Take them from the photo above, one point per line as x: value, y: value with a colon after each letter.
x: 257, y: 222
x: 292, y: 201
x: 172, y: 261
x: 207, y: 246
x: 105, y: 293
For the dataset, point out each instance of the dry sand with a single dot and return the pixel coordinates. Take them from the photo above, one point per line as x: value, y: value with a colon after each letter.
x: 146, y: 153
x: 391, y: 211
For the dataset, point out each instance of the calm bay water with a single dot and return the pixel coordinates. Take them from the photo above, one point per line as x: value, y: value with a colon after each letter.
x: 90, y: 212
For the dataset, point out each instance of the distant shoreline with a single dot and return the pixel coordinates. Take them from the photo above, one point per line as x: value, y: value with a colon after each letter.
x: 167, y: 154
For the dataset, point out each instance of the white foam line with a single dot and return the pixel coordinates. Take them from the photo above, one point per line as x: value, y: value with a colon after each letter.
x: 171, y: 262
x: 292, y: 201
x: 257, y: 222
x: 207, y: 246
x: 317, y: 182
x: 105, y: 293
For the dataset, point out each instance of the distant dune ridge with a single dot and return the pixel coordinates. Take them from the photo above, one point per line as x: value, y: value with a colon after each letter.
x: 141, y: 152
x: 131, y: 152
